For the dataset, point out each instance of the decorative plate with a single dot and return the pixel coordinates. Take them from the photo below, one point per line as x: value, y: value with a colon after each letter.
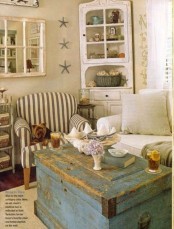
x: 94, y: 135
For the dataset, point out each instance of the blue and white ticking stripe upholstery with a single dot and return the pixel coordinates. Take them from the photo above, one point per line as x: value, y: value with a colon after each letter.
x: 57, y: 109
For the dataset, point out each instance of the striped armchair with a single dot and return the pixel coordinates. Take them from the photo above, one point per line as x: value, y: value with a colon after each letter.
x: 56, y: 109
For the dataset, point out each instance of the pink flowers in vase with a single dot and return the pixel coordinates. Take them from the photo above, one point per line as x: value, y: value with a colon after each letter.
x: 95, y: 148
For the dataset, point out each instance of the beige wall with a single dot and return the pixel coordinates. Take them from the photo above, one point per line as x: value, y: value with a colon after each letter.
x: 52, y: 11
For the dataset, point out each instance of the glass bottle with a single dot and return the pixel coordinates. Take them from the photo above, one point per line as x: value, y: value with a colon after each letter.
x: 84, y: 96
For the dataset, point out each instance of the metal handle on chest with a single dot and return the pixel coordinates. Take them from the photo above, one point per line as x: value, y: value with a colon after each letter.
x: 144, y: 221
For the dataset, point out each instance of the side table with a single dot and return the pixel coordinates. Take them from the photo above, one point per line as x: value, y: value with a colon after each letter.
x: 87, y: 111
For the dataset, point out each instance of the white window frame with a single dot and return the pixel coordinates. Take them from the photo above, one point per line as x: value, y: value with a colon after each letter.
x: 24, y: 46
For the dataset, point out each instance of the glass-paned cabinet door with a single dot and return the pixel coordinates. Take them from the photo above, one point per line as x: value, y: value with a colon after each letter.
x: 22, y: 47
x: 104, y: 34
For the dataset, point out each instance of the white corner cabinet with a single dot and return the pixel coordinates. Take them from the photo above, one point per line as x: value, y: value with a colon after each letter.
x: 106, y: 45
x: 6, y: 128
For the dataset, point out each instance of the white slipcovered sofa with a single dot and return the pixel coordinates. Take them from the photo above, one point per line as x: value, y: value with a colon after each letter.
x: 146, y: 118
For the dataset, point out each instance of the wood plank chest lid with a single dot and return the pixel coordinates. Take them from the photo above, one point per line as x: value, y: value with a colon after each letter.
x: 116, y: 189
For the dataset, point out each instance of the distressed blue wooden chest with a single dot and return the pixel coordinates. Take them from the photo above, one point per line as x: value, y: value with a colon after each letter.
x: 72, y: 195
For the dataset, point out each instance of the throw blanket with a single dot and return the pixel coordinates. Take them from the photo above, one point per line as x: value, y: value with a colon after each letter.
x: 165, y: 149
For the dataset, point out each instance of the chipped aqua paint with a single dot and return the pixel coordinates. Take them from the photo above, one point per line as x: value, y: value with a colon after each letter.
x: 72, y: 195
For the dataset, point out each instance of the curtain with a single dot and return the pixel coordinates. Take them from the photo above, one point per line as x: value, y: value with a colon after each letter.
x: 157, y: 38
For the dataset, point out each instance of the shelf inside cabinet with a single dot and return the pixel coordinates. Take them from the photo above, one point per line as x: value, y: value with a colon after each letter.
x: 92, y: 72
x: 104, y: 36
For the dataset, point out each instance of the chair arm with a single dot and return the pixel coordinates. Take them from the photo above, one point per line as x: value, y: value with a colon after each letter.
x: 23, y: 131
x: 110, y: 121
x: 78, y: 122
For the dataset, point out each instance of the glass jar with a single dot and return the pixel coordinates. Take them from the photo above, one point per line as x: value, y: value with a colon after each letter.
x: 84, y: 96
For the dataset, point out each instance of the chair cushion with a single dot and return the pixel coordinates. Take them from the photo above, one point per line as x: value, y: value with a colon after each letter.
x: 145, y: 114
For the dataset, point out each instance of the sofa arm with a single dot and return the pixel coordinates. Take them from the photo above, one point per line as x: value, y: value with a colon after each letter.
x: 78, y: 122
x: 110, y: 121
x: 23, y: 131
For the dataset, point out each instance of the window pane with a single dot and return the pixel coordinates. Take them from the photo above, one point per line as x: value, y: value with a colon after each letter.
x: 15, y: 33
x: 33, y: 63
x: 19, y: 60
x: 32, y: 31
x: 2, y: 32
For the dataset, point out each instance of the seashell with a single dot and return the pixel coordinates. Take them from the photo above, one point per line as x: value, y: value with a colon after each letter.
x: 102, y: 73
x: 87, y: 129
x: 91, y: 84
x: 102, y: 130
x: 80, y: 145
x: 74, y: 133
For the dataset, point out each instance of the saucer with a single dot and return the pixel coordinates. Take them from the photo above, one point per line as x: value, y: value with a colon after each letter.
x: 147, y: 170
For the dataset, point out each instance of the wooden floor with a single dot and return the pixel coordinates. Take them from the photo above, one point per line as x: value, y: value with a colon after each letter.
x: 10, y: 180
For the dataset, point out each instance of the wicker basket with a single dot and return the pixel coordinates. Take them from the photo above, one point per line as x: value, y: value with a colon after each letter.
x: 4, y: 119
x: 4, y: 160
x: 108, y: 81
x: 4, y: 139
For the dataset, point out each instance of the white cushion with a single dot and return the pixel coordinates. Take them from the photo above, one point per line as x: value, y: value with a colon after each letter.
x: 135, y: 142
x: 145, y: 114
x: 168, y: 94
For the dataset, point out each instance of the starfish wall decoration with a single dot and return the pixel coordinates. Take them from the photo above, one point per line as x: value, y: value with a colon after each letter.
x: 64, y: 44
x: 63, y: 22
x: 65, y: 67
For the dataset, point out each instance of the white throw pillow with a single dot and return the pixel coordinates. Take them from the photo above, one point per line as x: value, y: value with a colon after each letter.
x: 168, y: 94
x: 145, y: 114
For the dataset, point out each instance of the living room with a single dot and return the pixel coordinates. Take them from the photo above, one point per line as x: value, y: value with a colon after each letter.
x: 64, y: 70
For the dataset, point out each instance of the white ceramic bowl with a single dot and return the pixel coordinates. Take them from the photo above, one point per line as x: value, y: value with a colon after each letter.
x: 118, y: 152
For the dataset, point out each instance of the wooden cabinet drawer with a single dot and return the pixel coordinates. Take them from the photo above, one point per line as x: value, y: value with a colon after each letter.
x: 105, y: 95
